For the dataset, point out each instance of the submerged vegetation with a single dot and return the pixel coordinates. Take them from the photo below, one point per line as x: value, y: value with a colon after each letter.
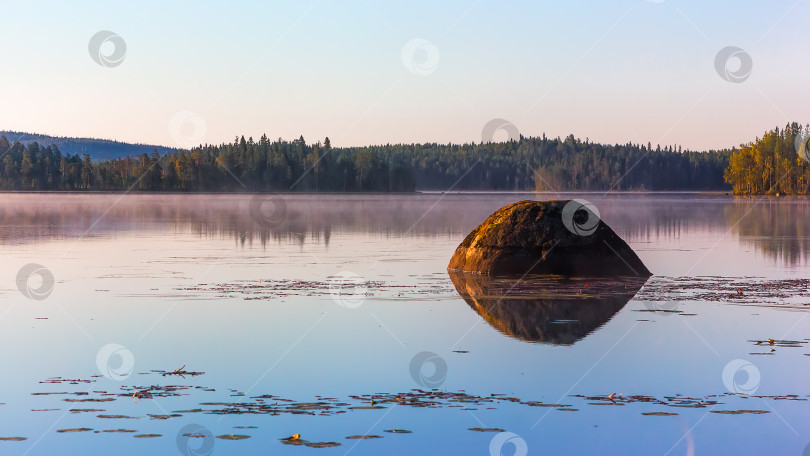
x: 770, y: 164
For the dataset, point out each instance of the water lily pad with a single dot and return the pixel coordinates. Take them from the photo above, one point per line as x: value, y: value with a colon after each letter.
x: 364, y: 437
x: 164, y: 417
x: 739, y: 412
x: 478, y: 429
x: 292, y: 441
x: 195, y: 435
x: 322, y: 444
x: 233, y: 437
x: 300, y: 441
x: 74, y: 430
x: 147, y: 436
x: 13, y: 439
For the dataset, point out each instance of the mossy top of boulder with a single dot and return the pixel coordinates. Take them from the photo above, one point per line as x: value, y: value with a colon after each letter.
x: 564, y: 237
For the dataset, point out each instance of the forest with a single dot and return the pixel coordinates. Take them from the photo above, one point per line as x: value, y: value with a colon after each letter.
x: 98, y: 149
x: 777, y: 163
x: 258, y: 166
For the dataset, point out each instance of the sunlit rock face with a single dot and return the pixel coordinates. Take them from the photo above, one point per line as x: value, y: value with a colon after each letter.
x: 547, y: 309
x: 564, y: 237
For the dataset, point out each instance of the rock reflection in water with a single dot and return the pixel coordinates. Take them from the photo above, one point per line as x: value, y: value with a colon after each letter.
x: 547, y: 309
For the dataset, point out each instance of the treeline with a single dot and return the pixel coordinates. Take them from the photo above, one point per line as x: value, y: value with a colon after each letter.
x: 777, y: 163
x: 98, y: 149
x: 244, y: 165
x: 566, y: 164
x: 264, y: 165
x: 34, y: 167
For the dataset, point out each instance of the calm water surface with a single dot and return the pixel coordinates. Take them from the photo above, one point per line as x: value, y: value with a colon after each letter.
x: 332, y: 316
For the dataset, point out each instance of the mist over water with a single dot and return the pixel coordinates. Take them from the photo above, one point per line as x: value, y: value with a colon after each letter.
x: 777, y: 228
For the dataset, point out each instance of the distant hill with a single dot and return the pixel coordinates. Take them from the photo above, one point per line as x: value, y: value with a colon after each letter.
x: 97, y: 149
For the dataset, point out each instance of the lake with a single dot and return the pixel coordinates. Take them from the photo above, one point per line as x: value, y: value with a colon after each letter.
x: 220, y: 324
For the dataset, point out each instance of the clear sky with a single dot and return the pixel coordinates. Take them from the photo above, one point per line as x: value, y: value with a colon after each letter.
x: 200, y: 71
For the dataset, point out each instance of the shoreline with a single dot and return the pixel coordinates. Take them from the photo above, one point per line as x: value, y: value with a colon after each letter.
x: 416, y: 192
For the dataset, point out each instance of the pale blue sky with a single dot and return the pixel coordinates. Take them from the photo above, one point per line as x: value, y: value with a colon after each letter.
x: 613, y: 71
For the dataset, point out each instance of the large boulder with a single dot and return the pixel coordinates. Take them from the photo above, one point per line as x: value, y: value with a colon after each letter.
x: 564, y: 237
